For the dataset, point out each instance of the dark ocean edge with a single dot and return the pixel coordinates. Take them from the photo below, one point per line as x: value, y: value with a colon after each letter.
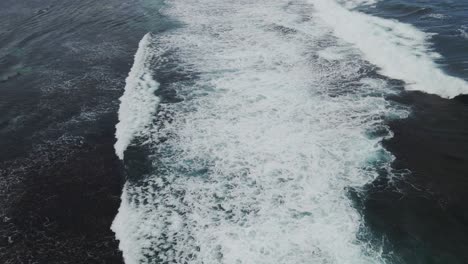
x: 62, y: 210
x: 419, y: 214
x: 63, y: 66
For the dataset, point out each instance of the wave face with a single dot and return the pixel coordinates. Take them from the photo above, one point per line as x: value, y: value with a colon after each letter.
x: 279, y: 119
x: 139, y: 103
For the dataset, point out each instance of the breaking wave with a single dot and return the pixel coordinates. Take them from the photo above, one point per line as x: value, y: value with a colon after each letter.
x: 139, y: 103
x: 400, y: 50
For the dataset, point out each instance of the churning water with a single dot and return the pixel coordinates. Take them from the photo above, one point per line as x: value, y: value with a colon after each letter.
x: 248, y: 123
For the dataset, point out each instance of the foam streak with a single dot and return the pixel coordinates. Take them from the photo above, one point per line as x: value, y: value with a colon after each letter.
x: 138, y: 104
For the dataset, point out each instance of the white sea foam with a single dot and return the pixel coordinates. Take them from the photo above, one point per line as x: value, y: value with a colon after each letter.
x: 256, y: 161
x: 138, y: 104
x: 400, y: 50
x: 435, y: 15
x: 357, y: 3
x: 464, y: 32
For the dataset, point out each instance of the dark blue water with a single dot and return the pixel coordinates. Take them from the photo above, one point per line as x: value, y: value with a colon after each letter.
x: 62, y: 69
x: 423, y: 216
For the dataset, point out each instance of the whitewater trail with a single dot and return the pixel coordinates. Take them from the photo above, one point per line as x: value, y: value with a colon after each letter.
x: 279, y: 120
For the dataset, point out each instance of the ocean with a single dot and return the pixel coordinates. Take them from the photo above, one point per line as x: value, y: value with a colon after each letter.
x: 203, y: 131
